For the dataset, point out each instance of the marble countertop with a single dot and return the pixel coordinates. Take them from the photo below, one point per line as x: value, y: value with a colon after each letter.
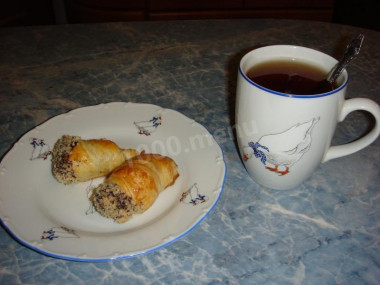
x: 324, y: 232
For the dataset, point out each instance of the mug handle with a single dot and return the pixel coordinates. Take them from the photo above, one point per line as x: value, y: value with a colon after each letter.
x: 349, y: 106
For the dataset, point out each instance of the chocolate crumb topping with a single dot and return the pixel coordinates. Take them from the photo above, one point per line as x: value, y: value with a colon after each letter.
x: 61, y: 166
x: 112, y: 202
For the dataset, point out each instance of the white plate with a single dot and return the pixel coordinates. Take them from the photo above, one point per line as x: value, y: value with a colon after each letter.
x: 58, y: 220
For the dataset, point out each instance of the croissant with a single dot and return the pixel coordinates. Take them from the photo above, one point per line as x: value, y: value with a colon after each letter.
x: 76, y: 160
x: 133, y: 187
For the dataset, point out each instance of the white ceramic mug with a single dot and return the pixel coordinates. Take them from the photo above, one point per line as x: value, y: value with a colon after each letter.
x: 283, y: 138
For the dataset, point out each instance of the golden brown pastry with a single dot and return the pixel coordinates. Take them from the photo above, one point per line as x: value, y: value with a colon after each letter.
x: 133, y: 187
x: 76, y: 160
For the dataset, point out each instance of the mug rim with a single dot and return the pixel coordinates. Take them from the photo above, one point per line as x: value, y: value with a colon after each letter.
x: 342, y: 86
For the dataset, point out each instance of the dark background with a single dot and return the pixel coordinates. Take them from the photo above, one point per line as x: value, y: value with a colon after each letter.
x: 361, y: 13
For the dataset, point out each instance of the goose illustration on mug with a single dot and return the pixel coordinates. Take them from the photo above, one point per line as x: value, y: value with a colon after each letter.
x: 283, y: 149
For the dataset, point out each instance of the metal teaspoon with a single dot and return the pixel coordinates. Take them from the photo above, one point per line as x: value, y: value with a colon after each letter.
x: 351, y: 52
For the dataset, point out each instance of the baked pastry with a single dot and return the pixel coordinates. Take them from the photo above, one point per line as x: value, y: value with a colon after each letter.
x: 133, y: 187
x: 76, y: 160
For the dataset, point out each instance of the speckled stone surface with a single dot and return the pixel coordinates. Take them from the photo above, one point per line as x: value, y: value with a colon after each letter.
x: 326, y: 231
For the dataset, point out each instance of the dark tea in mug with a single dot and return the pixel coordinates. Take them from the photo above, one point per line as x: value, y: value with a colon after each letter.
x: 290, y: 76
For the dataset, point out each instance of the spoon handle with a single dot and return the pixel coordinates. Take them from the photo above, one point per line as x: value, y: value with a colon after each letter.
x: 351, y: 52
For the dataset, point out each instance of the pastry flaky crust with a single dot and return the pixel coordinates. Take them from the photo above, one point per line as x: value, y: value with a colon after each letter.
x: 76, y: 160
x: 133, y: 187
